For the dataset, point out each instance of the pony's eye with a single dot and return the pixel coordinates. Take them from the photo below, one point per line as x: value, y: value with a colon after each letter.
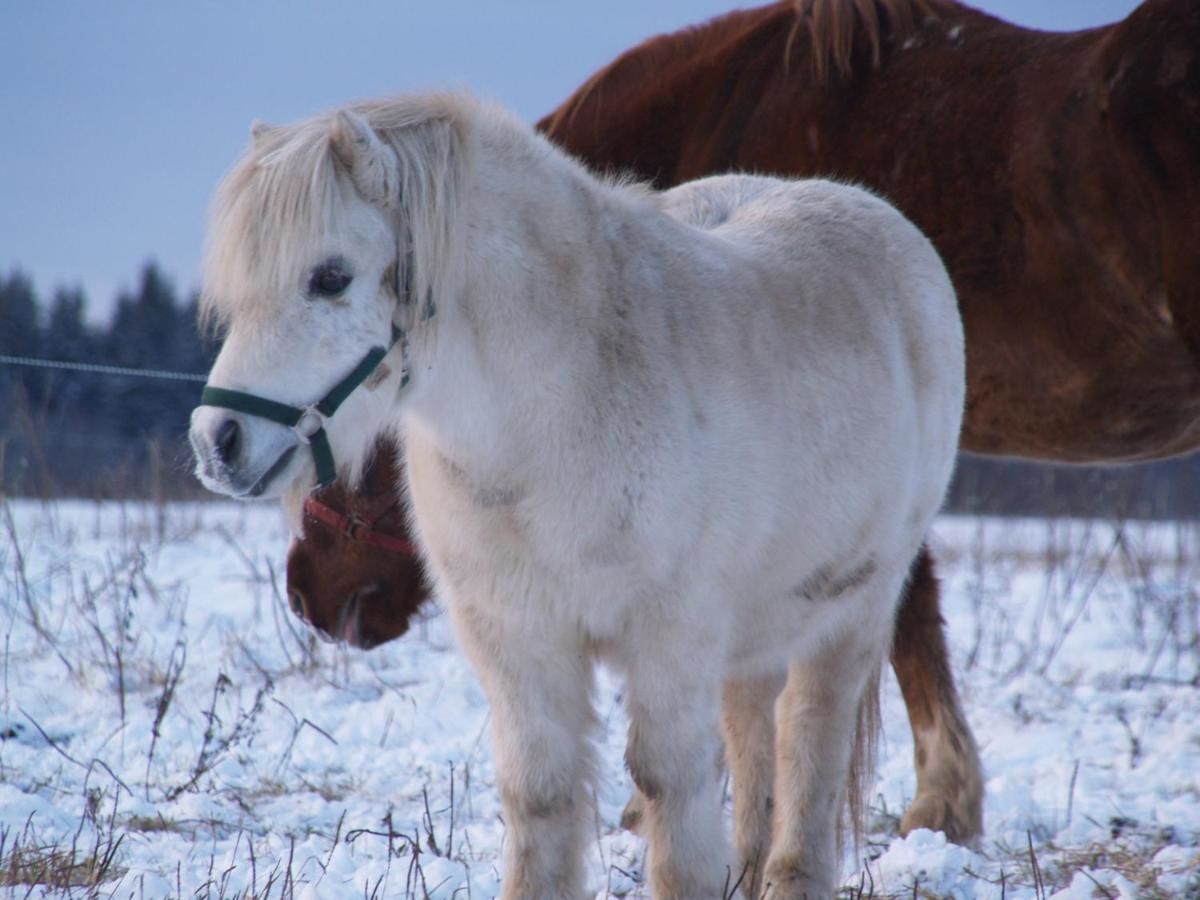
x: 329, y: 279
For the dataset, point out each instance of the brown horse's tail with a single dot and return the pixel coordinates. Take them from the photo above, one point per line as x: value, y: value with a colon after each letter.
x: 862, y: 763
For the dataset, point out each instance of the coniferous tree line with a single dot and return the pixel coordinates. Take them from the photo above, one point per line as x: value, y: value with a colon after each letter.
x: 84, y: 434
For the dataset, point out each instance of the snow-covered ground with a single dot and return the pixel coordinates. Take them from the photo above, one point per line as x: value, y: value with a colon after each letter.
x: 170, y: 730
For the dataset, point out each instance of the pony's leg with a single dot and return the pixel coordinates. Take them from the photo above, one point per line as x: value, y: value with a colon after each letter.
x: 541, y: 715
x: 949, y: 776
x: 748, y: 721
x: 673, y: 693
x: 635, y: 809
x: 826, y: 719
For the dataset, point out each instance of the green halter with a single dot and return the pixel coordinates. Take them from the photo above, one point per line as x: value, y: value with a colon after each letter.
x: 309, y: 422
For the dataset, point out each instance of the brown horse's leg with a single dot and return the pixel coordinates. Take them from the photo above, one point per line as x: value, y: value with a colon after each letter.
x: 949, y: 778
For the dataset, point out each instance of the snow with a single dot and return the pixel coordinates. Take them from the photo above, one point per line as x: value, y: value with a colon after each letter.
x: 285, y: 767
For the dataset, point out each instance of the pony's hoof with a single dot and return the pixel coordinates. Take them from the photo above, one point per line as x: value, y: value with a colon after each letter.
x: 794, y: 887
x: 960, y: 819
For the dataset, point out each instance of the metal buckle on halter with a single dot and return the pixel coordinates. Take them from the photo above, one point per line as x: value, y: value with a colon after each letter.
x: 355, y: 525
x: 310, y: 422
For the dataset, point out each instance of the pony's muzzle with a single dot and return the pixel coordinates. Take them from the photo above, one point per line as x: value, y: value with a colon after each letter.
x: 235, y: 457
x: 218, y: 441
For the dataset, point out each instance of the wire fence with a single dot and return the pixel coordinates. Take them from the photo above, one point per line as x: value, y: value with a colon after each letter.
x: 44, y: 457
x: 128, y: 441
x: 33, y: 362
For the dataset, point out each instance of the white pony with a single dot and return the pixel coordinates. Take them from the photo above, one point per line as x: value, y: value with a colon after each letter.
x: 698, y: 435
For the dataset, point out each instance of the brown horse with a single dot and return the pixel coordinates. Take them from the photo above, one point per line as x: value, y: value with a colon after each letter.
x: 357, y: 577
x: 1057, y: 174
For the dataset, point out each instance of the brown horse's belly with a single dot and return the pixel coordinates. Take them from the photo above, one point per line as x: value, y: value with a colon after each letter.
x: 1049, y: 407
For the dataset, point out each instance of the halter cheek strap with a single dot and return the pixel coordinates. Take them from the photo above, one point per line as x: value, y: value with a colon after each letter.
x: 307, y: 422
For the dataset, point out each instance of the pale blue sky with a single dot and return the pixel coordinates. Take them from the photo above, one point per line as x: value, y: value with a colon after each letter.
x: 120, y: 117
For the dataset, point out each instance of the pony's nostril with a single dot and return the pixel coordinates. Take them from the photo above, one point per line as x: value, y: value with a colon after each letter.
x: 228, y: 440
x: 296, y: 602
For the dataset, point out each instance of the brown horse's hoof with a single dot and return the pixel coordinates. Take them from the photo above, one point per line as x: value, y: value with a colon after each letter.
x: 959, y: 818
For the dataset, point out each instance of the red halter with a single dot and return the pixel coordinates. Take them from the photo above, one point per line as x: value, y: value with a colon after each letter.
x: 359, y: 529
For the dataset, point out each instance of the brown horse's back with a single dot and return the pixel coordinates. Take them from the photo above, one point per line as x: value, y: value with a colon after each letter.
x: 1020, y: 154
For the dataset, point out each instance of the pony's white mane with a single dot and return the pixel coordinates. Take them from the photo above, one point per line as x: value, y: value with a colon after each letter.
x: 271, y: 212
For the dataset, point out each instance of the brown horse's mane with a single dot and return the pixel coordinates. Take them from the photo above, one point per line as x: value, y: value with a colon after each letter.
x: 835, y: 28
x: 835, y: 25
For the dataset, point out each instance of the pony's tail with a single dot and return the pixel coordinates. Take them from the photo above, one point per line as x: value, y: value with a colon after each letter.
x: 862, y: 764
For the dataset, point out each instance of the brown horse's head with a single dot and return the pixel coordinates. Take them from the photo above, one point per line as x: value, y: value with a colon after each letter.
x: 356, y: 576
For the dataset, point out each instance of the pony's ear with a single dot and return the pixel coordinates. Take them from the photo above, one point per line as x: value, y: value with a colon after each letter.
x: 371, y: 163
x: 259, y: 130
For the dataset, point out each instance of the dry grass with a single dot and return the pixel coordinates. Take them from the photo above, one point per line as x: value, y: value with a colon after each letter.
x: 28, y: 860
x: 94, y: 634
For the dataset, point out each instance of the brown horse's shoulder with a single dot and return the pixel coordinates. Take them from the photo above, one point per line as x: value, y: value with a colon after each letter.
x: 646, y: 73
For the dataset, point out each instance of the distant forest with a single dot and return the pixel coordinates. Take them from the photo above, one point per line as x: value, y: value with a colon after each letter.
x: 82, y: 434
x: 88, y: 435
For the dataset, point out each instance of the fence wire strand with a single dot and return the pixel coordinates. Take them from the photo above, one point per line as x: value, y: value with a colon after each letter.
x: 99, y: 368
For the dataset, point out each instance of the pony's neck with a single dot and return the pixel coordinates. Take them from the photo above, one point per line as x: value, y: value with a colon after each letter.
x: 533, y: 274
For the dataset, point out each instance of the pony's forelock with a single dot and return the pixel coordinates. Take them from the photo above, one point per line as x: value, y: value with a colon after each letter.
x: 284, y: 196
x: 267, y: 218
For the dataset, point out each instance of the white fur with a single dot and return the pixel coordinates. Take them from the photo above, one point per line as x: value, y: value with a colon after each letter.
x: 698, y: 435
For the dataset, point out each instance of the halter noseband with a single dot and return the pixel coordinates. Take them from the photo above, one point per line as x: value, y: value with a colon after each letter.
x: 307, y: 422
x: 357, y: 529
